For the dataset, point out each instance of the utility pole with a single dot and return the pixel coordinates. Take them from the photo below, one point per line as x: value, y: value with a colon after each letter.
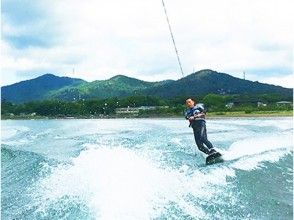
x: 244, y: 75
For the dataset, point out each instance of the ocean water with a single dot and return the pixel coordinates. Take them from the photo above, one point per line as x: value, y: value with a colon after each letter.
x: 145, y: 169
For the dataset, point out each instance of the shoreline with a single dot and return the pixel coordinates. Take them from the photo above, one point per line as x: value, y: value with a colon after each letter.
x: 212, y: 115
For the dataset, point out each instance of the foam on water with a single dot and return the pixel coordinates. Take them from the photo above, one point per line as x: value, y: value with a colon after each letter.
x: 118, y: 183
x: 137, y: 179
x: 251, y: 151
x: 8, y: 132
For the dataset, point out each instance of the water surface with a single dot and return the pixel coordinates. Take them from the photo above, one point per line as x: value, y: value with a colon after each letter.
x: 145, y: 169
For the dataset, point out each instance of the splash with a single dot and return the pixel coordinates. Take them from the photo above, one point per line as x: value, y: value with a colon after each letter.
x: 147, y: 170
x: 118, y: 183
x: 249, y: 153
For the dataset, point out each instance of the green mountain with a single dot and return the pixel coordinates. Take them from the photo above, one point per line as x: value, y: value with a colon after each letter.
x: 117, y: 86
x: 203, y: 82
x: 208, y: 81
x: 36, y: 89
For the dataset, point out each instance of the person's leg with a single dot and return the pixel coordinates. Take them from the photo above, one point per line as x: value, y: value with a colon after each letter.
x: 204, y: 137
x: 198, y: 139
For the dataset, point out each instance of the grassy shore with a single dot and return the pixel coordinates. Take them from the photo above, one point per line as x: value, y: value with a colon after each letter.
x: 252, y: 114
x: 209, y: 115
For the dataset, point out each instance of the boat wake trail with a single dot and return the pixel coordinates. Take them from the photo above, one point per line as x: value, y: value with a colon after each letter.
x: 108, y: 182
x: 147, y: 170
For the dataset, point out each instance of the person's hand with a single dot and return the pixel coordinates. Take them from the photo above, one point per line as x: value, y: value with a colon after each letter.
x: 199, y: 115
x: 191, y: 118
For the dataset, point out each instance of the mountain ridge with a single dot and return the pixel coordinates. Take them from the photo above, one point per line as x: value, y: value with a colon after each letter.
x: 49, y: 86
x: 37, y: 88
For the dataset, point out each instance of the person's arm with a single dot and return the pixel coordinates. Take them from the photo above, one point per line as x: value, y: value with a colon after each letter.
x: 199, y: 113
x: 187, y: 114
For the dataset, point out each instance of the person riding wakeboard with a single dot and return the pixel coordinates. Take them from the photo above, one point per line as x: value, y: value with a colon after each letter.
x: 196, y: 116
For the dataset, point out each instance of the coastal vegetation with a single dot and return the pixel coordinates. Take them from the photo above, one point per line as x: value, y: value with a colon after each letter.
x: 149, y: 106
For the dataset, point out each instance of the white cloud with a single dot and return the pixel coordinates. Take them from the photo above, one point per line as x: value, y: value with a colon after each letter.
x: 285, y: 81
x: 100, y: 39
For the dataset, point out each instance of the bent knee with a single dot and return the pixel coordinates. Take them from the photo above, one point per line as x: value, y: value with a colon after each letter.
x: 200, y: 146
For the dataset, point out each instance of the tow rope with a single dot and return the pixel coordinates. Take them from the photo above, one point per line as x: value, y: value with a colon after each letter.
x: 173, y: 39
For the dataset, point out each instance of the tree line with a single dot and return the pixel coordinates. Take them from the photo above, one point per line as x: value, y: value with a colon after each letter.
x: 176, y: 105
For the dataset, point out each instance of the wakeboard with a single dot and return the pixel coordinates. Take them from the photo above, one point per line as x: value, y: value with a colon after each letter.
x: 213, y: 158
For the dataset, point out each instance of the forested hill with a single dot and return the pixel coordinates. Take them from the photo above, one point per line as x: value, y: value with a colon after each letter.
x: 208, y: 81
x: 37, y: 89
x: 201, y: 83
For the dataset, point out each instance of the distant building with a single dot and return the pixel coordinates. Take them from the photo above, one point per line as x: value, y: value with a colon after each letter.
x: 284, y: 103
x: 261, y: 104
x: 135, y: 110
x: 239, y: 102
x: 69, y: 117
x: 230, y: 104
x: 128, y: 110
x: 147, y: 107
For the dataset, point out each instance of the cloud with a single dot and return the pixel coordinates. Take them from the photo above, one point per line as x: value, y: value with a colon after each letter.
x: 19, y: 12
x: 100, y: 39
x: 284, y: 80
x: 28, y: 23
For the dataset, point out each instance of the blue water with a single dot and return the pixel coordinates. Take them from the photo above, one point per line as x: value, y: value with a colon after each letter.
x: 145, y: 169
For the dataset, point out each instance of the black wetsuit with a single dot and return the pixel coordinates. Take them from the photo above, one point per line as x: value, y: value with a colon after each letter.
x: 199, y: 128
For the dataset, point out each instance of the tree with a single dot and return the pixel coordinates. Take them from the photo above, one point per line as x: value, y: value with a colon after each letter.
x: 214, y: 101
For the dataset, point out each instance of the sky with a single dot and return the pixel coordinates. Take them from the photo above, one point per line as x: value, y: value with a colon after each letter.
x: 98, y: 39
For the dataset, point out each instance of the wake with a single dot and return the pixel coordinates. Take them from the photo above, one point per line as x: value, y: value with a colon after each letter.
x: 250, y: 153
x: 111, y: 181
